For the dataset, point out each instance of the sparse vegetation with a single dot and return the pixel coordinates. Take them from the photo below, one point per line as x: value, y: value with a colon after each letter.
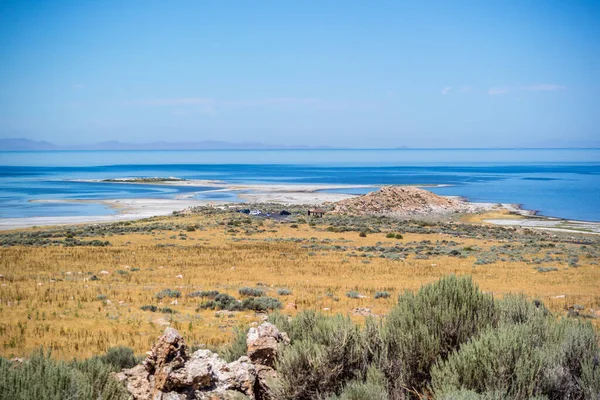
x: 53, y: 294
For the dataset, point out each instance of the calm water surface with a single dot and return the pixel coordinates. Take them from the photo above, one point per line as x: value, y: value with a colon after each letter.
x: 562, y: 183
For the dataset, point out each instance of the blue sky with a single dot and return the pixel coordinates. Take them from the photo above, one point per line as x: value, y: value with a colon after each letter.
x: 342, y: 73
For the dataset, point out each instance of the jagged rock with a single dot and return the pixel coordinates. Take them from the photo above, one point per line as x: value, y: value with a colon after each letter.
x: 263, y: 343
x: 138, y: 382
x: 170, y: 373
x: 266, y: 384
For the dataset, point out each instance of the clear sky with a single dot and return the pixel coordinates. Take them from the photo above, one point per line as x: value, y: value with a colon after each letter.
x: 342, y: 73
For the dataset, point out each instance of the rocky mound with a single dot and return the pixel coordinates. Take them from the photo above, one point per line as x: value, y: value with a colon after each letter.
x: 399, y: 201
x: 171, y: 373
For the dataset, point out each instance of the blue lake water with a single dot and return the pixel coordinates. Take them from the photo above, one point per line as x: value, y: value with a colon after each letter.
x: 559, y: 182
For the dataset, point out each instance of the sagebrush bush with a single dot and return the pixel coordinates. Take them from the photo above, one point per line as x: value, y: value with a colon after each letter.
x: 382, y: 295
x: 238, y: 346
x: 40, y: 376
x: 261, y: 304
x: 428, y: 325
x: 222, y: 301
x: 248, y: 291
x: 325, y: 353
x: 209, y: 294
x: 539, y: 357
x: 168, y: 293
x: 120, y: 357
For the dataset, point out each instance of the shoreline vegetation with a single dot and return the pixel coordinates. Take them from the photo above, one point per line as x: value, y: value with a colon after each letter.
x: 285, y: 194
x: 372, y: 297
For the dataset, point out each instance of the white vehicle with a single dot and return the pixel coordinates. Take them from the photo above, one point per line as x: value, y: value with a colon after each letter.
x: 255, y: 212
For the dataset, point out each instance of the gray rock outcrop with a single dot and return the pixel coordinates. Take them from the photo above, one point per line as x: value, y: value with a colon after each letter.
x: 170, y: 373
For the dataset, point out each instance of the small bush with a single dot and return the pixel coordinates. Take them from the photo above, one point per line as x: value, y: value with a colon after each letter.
x: 399, y: 236
x: 149, y: 307
x: 168, y: 293
x: 101, y: 297
x: 284, y: 292
x: 261, y: 304
x: 363, y: 234
x: 353, y: 294
x: 390, y: 235
x: 190, y: 228
x: 120, y: 357
x: 546, y: 269
x: 222, y: 301
x: 209, y: 294
x: 382, y: 295
x: 248, y: 291
x: 237, y: 347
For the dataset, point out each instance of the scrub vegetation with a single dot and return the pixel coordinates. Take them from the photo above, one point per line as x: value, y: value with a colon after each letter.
x: 78, y: 301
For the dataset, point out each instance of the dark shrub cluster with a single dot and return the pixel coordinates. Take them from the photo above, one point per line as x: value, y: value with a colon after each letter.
x: 227, y: 302
x: 382, y: 295
x: 248, y: 291
x: 168, y: 293
x: 209, y: 294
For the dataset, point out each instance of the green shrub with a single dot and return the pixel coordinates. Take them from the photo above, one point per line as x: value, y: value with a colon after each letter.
x: 516, y: 309
x: 222, y: 301
x: 149, y: 307
x: 261, y: 304
x: 168, y: 293
x: 399, y: 236
x: 120, y: 357
x: 362, y: 234
x: 284, y: 292
x: 238, y: 347
x: 429, y: 325
x: 325, y: 353
x: 209, y: 294
x: 43, y: 377
x: 167, y: 310
x: 382, y: 295
x: 541, y: 357
x: 353, y: 294
x: 248, y: 291
x: 390, y: 235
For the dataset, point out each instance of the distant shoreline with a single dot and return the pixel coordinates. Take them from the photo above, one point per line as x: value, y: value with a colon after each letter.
x: 284, y: 194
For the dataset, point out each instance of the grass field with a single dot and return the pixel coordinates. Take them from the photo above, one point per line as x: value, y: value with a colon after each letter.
x: 80, y: 297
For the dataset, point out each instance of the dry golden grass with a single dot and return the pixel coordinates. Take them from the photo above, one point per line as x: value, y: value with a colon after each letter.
x: 47, y: 299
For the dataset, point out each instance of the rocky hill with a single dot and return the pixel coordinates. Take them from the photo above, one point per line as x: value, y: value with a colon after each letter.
x: 403, y: 201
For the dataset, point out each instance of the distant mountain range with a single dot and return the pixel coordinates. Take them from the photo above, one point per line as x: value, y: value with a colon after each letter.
x: 20, y: 144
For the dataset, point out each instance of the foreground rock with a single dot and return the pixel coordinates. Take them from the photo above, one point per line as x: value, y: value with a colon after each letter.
x: 170, y: 373
x: 402, y: 201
